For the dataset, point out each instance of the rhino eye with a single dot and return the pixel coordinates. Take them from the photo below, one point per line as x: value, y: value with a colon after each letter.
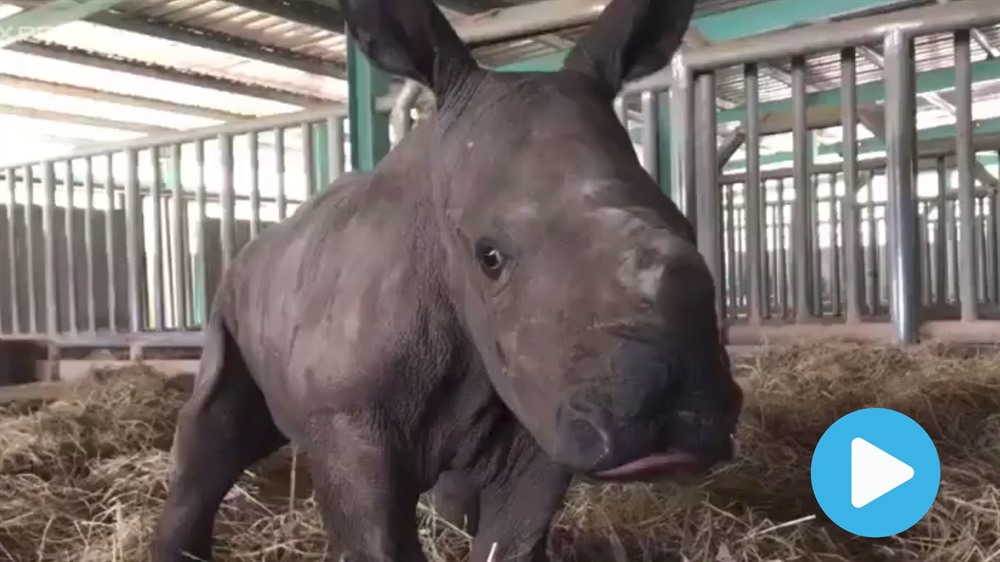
x: 491, y: 259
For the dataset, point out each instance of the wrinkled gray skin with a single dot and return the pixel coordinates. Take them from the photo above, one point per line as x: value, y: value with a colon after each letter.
x: 506, y: 302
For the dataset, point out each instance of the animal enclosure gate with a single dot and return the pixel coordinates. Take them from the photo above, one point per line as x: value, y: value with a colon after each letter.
x: 878, y: 237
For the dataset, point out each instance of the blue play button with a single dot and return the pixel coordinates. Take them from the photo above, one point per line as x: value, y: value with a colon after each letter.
x: 875, y: 472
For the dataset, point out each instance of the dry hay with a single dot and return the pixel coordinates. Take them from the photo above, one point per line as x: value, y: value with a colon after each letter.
x: 85, y: 480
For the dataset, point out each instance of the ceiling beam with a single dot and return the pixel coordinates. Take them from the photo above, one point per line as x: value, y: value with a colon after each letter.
x: 28, y: 23
x: 140, y: 68
x: 178, y: 32
x: 323, y: 15
x: 23, y: 83
x: 62, y: 117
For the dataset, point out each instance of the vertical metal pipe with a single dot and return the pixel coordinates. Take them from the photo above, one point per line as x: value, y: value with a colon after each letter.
x: 800, y: 210
x: 29, y: 227
x: 88, y: 242
x: 309, y: 159
x: 254, y: 146
x: 179, y: 227
x: 69, y: 238
x: 227, y: 196
x: 941, y: 235
x: 815, y: 261
x: 110, y: 244
x: 923, y: 239
x: 133, y: 240
x: 709, y: 223
x: 994, y: 244
x: 835, y: 230
x: 683, y: 189
x: 953, y: 274
x: 48, y: 232
x: 650, y: 136
x: 853, y: 267
x: 202, y: 251
x: 279, y: 160
x: 995, y: 229
x: 901, y: 148
x: 984, y: 261
x: 965, y: 156
x: 15, y: 307
x: 335, y: 133
x: 782, y: 251
x: 752, y: 193
x: 730, y: 271
x: 740, y: 273
x: 156, y: 257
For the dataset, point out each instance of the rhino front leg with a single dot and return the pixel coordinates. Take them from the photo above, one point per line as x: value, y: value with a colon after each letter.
x: 367, y: 501
x: 455, y: 498
x: 517, y: 511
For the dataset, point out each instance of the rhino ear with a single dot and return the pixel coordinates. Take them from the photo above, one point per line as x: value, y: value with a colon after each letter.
x: 630, y: 39
x: 410, y: 38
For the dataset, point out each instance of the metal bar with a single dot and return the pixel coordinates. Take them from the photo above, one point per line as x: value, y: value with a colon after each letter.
x: 752, y: 194
x: 740, y: 273
x: 851, y: 232
x: 254, y: 148
x: 15, y: 307
x: 335, y: 128
x: 84, y: 120
x: 70, y: 240
x: 782, y: 251
x: 771, y: 256
x: 683, y: 189
x: 984, y: 263
x: 650, y: 130
x: 133, y: 240
x: 279, y: 165
x: 308, y: 159
x: 832, y: 36
x: 815, y: 280
x: 901, y: 144
x: 234, y: 128
x: 53, y: 13
x: 29, y: 226
x: 204, y: 299
x: 953, y: 249
x: 156, y: 256
x: 730, y: 270
x: 835, y: 228
x: 967, y: 266
x: 800, y: 210
x: 69, y: 90
x: 109, y: 244
x: 369, y: 128
x: 621, y: 110
x: 48, y: 242
x: 227, y: 190
x: 88, y: 242
x: 179, y: 225
x: 941, y: 236
x: 709, y: 204
x: 995, y: 214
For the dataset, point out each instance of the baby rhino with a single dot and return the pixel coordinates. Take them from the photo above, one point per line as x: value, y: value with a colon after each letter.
x: 506, y: 302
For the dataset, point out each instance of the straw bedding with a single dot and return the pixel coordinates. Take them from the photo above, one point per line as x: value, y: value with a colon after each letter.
x: 84, y: 480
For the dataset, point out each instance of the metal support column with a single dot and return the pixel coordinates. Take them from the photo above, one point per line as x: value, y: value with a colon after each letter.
x: 709, y: 193
x: 663, y: 153
x: 800, y: 208
x: 965, y: 160
x: 853, y: 265
x: 682, y: 182
x: 901, y: 168
x: 369, y: 129
x: 752, y: 192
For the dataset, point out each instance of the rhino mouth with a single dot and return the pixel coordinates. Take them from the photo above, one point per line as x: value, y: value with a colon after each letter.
x: 669, y: 464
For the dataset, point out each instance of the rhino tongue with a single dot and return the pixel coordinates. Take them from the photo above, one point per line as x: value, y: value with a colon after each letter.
x: 655, y: 466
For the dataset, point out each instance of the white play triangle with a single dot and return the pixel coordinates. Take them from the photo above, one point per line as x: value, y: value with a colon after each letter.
x: 874, y: 472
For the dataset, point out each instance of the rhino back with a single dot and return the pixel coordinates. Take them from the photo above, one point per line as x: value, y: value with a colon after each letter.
x: 318, y: 300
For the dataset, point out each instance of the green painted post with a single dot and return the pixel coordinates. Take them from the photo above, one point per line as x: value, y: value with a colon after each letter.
x: 369, y: 129
x: 321, y: 156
